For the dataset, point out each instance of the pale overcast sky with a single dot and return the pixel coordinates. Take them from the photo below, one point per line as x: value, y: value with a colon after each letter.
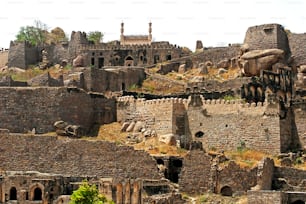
x: 182, y: 22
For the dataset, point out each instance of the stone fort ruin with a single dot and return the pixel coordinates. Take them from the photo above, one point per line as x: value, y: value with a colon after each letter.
x: 270, y: 117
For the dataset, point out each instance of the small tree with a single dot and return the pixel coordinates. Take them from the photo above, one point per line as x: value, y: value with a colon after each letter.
x: 36, y: 35
x: 95, y: 36
x: 88, y: 194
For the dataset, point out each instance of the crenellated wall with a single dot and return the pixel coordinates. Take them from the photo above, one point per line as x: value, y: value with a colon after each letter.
x: 219, y: 124
x: 230, y: 124
x: 161, y: 115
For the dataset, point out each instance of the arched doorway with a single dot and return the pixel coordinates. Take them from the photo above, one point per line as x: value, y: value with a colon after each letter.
x: 226, y: 191
x: 13, y: 193
x: 129, y: 61
x: 37, y: 194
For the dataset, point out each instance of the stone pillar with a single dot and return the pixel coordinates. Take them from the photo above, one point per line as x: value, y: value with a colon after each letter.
x: 119, y: 193
x: 136, y: 199
x: 199, y: 45
x: 127, y: 196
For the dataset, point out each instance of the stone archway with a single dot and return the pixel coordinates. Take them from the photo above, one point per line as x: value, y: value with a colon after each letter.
x: 129, y: 61
x: 226, y: 191
x: 37, y: 192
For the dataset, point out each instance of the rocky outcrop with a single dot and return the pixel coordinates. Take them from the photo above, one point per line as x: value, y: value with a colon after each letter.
x: 79, y: 61
x: 252, y: 62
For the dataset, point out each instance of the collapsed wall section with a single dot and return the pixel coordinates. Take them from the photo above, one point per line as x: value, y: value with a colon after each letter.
x: 74, y: 157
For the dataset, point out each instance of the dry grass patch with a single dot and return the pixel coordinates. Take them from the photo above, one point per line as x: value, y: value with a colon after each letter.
x: 111, y: 132
x: 154, y: 147
x: 246, y: 158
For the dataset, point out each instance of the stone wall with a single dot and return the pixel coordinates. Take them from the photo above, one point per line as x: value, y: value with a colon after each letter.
x: 298, y: 47
x: 158, y: 115
x: 22, y: 55
x: 195, y: 177
x: 113, y: 78
x: 3, y: 58
x: 289, y: 179
x: 218, y: 124
x: 25, y: 108
x: 300, y: 121
x: 228, y: 125
x: 267, y: 197
x: 216, y: 55
x: 212, y: 54
x: 75, y: 157
x: 267, y: 36
x: 234, y: 177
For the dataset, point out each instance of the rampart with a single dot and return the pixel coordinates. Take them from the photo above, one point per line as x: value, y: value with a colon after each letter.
x: 267, y: 36
x: 28, y: 108
x: 75, y: 157
x: 217, y: 124
x: 230, y: 124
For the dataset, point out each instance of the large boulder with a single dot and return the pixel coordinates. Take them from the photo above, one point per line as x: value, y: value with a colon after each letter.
x: 79, y: 61
x: 252, y: 62
x: 224, y: 64
x: 168, y: 139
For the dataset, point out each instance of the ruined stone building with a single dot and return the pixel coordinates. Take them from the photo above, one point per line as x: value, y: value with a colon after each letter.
x: 130, y: 50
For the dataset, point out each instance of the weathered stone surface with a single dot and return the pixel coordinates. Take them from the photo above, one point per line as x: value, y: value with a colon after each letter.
x: 254, y: 54
x: 75, y: 157
x: 29, y: 107
x: 265, y: 172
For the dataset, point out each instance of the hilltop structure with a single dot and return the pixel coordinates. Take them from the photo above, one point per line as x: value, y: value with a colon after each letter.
x: 270, y: 117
